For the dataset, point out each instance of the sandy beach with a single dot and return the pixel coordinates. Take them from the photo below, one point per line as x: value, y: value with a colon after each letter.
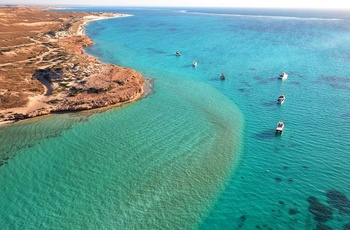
x: 89, y: 18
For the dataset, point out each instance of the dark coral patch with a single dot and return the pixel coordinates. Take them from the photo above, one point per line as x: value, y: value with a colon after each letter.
x: 277, y: 179
x: 293, y: 211
x: 258, y: 78
x: 243, y: 218
x: 321, y: 212
x: 339, y: 201
x: 346, y: 226
x: 336, y: 82
x: 321, y: 226
x: 246, y: 83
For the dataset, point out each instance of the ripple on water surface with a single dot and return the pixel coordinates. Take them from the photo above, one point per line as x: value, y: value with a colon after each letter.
x: 152, y: 164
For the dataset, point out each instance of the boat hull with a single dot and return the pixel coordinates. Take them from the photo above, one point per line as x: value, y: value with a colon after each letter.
x: 279, y: 132
x: 282, y: 78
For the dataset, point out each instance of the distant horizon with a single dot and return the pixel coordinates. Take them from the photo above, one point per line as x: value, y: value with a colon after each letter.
x: 163, y: 6
x: 275, y: 4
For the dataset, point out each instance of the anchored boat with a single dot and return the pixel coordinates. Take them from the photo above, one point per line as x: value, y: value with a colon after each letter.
x: 280, y: 127
x: 283, y: 76
x: 281, y: 99
x: 222, y: 77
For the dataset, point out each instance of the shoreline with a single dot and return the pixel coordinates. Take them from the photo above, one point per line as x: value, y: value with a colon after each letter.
x: 105, y: 85
x: 90, y: 18
x: 148, y: 90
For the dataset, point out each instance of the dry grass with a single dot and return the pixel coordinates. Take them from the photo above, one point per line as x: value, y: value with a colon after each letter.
x: 22, y: 29
x: 39, y: 48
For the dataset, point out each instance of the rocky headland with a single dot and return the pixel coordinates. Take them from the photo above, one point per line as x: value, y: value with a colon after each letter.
x: 43, y: 67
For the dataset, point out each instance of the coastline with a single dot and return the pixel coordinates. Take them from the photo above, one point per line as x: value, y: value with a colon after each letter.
x: 91, y: 84
x: 147, y: 90
x: 90, y: 18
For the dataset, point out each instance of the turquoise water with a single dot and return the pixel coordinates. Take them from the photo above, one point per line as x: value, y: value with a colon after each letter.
x: 199, y: 153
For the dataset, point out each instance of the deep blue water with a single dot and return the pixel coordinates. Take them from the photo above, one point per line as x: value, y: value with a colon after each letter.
x: 199, y: 153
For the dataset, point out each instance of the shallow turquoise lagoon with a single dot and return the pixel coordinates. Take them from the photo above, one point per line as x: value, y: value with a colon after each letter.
x: 198, y: 153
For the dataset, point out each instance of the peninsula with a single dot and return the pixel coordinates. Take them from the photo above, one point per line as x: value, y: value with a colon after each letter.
x: 43, y: 68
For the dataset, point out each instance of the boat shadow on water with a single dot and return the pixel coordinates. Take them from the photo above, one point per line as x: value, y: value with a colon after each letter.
x: 188, y: 66
x: 157, y: 51
x: 266, y: 135
x: 216, y: 79
x: 269, y: 104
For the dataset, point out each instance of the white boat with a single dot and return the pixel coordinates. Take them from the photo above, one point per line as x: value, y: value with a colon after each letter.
x: 281, y: 99
x: 280, y: 127
x: 177, y: 53
x: 194, y: 64
x: 283, y: 76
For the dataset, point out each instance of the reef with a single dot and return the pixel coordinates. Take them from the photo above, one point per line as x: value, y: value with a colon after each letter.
x: 339, y: 201
x: 293, y: 211
x: 321, y: 212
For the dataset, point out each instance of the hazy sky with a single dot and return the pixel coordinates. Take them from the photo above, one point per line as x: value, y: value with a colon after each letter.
x: 342, y: 4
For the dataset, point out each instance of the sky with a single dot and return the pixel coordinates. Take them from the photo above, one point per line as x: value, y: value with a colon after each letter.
x: 323, y: 4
